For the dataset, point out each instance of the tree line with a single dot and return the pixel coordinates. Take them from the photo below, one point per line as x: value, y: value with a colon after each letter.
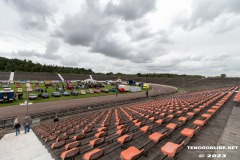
x: 28, y: 66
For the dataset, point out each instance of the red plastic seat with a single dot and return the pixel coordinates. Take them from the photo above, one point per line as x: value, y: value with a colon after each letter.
x: 102, y: 129
x: 188, y: 132
x: 70, y: 153
x: 104, y: 124
x: 156, y: 136
x: 45, y: 135
x: 69, y: 132
x: 121, y: 131
x: 131, y: 153
x: 211, y: 110
x: 124, y: 138
x: 179, y: 112
x: 196, y: 110
x: 170, y: 116
x: 182, y: 119
x: 171, y: 148
x: 162, y: 114
x: 97, y: 141
x: 64, y: 137
x: 79, y: 136
x: 87, y: 129
x: 72, y: 145
x: 216, y: 107
x: 190, y: 114
x: 58, y: 144
x: 120, y: 127
x: 50, y: 138
x: 171, y: 126
x: 94, y: 154
x: 100, y: 134
x: 151, y: 118
x: 199, y: 122
x: 146, y: 129
x: 203, y: 106
x: 160, y: 121
x: 138, y: 124
x: 147, y: 116
x: 206, y: 115
x: 135, y: 121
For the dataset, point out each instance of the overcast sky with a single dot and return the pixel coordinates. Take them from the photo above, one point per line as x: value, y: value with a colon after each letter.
x: 129, y: 36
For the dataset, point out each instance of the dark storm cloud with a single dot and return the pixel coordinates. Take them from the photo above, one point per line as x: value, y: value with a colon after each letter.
x: 83, y: 27
x: 111, y: 48
x: 34, y: 13
x: 205, y: 11
x: 95, y: 28
x: 130, y: 9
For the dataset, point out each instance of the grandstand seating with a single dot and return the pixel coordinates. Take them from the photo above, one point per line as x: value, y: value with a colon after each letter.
x: 237, y: 98
x: 116, y: 131
x: 40, y: 76
x: 4, y: 75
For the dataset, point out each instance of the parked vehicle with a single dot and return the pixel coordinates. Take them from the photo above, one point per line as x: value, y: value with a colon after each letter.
x: 121, y: 90
x: 113, y: 90
x: 19, y: 90
x: 90, y: 91
x: 132, y: 82
x: 79, y: 87
x: 146, y: 86
x: 6, y: 86
x: 32, y: 96
x: 70, y: 87
x: 96, y: 91
x: 82, y: 92
x: 6, y: 95
x: 66, y: 93
x: 105, y: 90
x: 44, y: 95
x: 74, y: 92
x: 18, y: 85
x: 56, y: 94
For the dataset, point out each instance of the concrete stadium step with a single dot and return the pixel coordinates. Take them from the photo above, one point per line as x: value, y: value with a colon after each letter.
x: 23, y: 147
x: 11, y: 76
x: 59, y: 75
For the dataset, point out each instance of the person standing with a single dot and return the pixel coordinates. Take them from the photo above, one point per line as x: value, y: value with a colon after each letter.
x: 55, y: 119
x: 27, y: 123
x: 17, y: 126
x: 147, y: 93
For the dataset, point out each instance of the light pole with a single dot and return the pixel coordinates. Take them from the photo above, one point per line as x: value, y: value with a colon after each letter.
x: 27, y: 99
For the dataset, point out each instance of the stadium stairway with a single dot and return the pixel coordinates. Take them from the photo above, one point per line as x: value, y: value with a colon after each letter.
x: 60, y: 76
x: 23, y: 147
x: 11, y: 76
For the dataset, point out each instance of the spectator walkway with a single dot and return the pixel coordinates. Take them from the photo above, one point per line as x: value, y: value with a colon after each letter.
x: 23, y: 147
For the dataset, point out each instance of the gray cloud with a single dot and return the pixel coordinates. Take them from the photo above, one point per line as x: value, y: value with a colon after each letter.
x: 85, y: 26
x: 52, y: 47
x: 206, y: 11
x: 92, y: 27
x: 50, y: 52
x: 34, y: 13
x: 130, y: 10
